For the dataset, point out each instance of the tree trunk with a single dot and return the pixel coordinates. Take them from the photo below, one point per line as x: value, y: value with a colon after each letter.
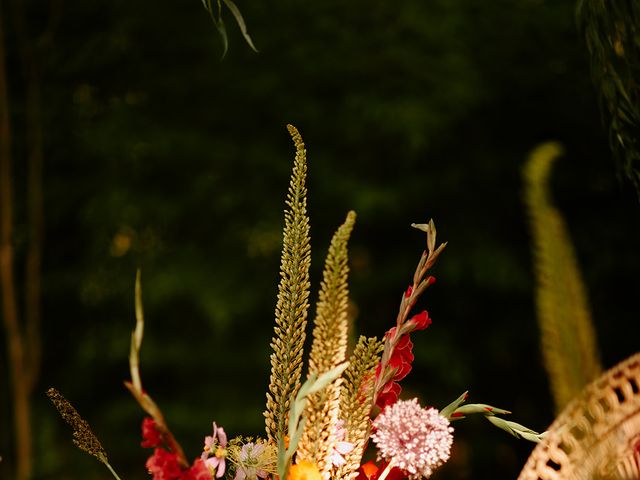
x: 23, y: 348
x: 15, y: 345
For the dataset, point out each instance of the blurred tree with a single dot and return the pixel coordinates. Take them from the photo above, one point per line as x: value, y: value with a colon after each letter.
x: 22, y: 332
x: 612, y: 34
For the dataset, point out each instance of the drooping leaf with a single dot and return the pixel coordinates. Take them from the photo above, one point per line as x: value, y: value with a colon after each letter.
x: 240, y: 20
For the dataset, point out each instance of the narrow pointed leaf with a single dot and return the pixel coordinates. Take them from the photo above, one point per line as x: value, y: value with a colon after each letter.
x: 243, y: 27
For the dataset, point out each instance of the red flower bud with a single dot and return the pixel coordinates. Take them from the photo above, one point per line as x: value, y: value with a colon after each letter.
x: 420, y: 321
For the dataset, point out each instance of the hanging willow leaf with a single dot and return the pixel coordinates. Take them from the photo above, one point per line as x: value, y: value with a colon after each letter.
x: 611, y: 31
x: 216, y: 18
x: 240, y: 21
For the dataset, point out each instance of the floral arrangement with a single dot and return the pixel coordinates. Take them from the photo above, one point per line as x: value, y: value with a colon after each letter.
x: 319, y: 427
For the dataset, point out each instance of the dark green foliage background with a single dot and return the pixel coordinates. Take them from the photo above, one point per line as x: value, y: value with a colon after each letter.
x: 409, y: 109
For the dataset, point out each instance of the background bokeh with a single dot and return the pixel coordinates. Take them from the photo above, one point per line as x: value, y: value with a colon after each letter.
x: 158, y: 154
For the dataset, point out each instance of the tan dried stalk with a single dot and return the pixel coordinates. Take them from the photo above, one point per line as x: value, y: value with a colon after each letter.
x: 293, y: 300
x: 356, y: 401
x: 83, y: 436
x: 567, y: 333
x: 328, y: 350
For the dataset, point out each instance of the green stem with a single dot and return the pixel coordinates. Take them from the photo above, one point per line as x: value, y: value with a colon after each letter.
x: 113, y: 472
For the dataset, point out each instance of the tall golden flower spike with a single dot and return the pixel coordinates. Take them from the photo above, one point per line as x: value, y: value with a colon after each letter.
x: 597, y: 436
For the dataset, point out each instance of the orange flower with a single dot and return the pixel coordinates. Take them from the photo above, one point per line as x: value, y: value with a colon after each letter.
x: 304, y: 470
x: 368, y: 469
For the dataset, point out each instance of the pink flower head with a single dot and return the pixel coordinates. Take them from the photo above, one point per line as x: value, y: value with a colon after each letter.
x: 214, y: 453
x: 151, y: 437
x: 417, y: 440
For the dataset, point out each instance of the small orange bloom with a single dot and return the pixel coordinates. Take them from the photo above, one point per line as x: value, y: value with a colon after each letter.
x: 369, y: 469
x: 304, y: 470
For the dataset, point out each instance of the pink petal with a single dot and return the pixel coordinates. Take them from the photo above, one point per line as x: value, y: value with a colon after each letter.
x: 222, y: 466
x: 344, y: 447
x: 222, y: 437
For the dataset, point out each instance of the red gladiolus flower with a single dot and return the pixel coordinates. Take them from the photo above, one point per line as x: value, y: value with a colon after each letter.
x: 400, y: 362
x: 151, y: 437
x: 401, y: 358
x: 164, y: 465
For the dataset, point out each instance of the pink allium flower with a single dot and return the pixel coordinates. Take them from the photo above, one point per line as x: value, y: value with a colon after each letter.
x: 414, y: 439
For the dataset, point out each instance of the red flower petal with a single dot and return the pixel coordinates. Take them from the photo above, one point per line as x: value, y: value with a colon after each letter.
x: 390, y: 333
x: 198, y: 471
x: 403, y: 344
x: 151, y: 437
x: 164, y: 465
x: 420, y: 321
x: 401, y: 364
x: 402, y: 372
x: 389, y: 394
